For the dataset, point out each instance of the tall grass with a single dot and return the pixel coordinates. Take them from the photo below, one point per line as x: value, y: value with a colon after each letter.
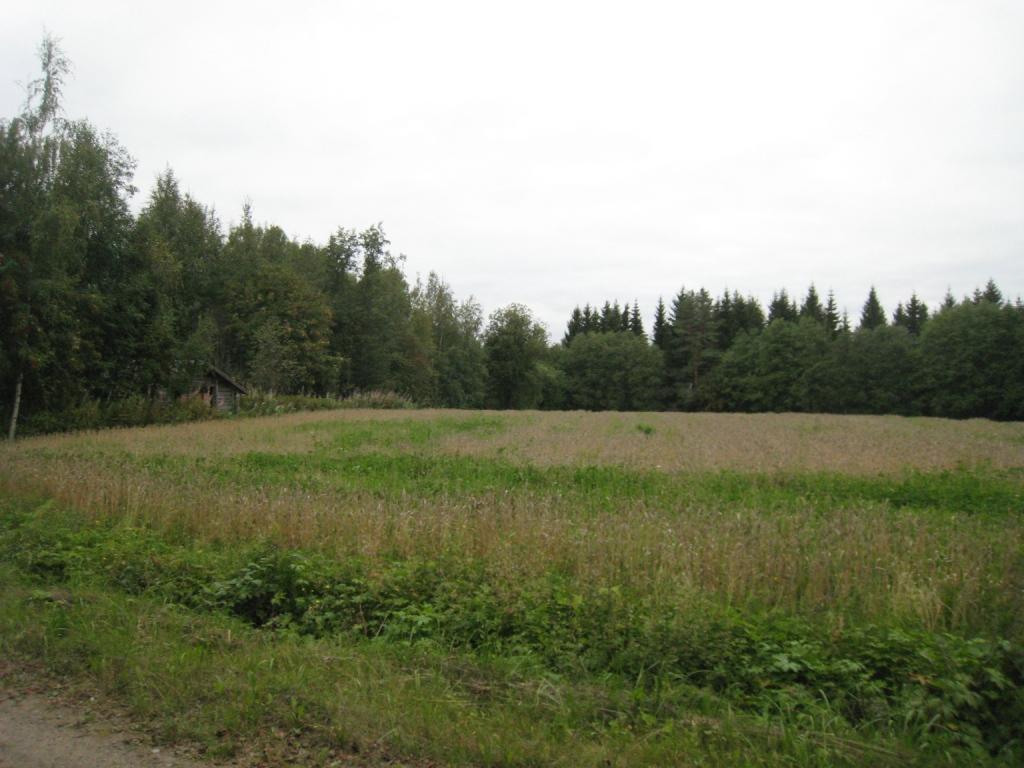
x: 941, y: 550
x: 843, y: 583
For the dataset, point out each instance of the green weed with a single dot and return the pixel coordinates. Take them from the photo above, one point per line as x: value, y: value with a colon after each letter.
x: 927, y: 687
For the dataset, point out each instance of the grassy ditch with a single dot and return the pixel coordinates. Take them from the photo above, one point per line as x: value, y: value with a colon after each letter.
x: 647, y: 669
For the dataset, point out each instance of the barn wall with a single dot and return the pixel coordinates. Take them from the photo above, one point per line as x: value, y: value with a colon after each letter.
x: 225, y: 398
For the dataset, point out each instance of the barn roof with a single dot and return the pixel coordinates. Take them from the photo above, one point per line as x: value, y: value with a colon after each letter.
x: 214, y: 371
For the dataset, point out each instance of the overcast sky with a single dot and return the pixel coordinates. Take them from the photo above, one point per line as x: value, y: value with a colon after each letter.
x: 555, y: 153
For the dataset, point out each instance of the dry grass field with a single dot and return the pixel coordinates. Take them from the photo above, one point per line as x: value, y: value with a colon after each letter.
x: 840, y: 522
x: 681, y: 523
x: 662, y: 441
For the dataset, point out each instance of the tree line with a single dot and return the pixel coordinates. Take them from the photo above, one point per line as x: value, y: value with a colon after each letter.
x: 97, y: 303
x: 726, y: 354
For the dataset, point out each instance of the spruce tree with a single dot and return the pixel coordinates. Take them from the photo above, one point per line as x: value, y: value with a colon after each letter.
x: 748, y: 312
x: 812, y: 306
x: 992, y: 294
x: 636, y: 323
x: 660, y: 330
x: 872, y: 315
x: 590, y: 320
x: 781, y: 307
x: 726, y: 320
x: 735, y: 315
x: 899, y: 317
x: 574, y: 327
x: 832, y: 314
x: 917, y: 314
x: 692, y: 348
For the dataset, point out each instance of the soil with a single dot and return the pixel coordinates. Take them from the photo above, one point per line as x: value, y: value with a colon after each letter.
x: 47, y: 722
x: 39, y: 731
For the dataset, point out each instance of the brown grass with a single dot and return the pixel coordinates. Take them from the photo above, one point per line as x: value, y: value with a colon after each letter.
x: 676, y: 442
x: 750, y: 442
x: 863, y: 560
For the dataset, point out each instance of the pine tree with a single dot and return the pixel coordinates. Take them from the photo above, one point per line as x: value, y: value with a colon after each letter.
x: 872, y: 315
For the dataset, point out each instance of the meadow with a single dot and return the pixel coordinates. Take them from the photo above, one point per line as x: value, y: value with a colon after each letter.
x: 524, y: 588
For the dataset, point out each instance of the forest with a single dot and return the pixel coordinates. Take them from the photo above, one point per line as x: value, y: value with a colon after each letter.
x: 98, y: 304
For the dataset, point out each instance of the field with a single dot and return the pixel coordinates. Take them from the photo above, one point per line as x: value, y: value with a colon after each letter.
x: 520, y: 588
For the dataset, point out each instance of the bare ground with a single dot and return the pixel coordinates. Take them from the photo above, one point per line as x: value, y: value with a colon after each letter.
x: 48, y: 722
x: 39, y: 731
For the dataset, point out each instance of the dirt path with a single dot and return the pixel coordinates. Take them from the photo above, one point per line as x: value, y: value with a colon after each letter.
x: 37, y: 732
x: 46, y: 722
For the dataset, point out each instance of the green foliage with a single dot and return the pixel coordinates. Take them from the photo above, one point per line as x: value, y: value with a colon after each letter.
x: 139, y: 411
x: 514, y: 345
x: 96, y: 304
x: 260, y: 403
x: 782, y: 308
x: 872, y: 316
x: 209, y: 679
x: 960, y: 694
x: 973, y: 361
x: 691, y: 348
x: 881, y: 372
x: 611, y: 371
x: 784, y: 368
x: 453, y: 331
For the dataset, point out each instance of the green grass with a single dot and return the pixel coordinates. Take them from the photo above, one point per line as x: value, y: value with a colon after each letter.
x: 646, y: 667
x: 380, y: 585
x: 359, y: 460
x: 106, y: 604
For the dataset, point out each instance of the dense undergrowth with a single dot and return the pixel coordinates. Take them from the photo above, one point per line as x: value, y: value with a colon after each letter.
x: 140, y: 411
x: 944, y: 693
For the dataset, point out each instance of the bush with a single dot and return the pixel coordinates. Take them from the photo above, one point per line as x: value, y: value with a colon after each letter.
x: 138, y: 411
x: 260, y: 403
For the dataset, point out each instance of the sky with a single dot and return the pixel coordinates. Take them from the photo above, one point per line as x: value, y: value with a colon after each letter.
x: 557, y: 153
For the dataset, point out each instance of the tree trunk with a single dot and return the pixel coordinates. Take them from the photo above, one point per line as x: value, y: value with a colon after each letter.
x: 17, y: 404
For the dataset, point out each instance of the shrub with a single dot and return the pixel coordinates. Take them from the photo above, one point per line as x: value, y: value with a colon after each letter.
x: 138, y: 411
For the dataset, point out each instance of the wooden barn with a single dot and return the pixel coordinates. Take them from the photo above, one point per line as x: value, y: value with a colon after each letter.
x: 218, y: 390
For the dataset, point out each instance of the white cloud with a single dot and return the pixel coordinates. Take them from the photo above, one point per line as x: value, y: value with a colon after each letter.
x: 558, y: 153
